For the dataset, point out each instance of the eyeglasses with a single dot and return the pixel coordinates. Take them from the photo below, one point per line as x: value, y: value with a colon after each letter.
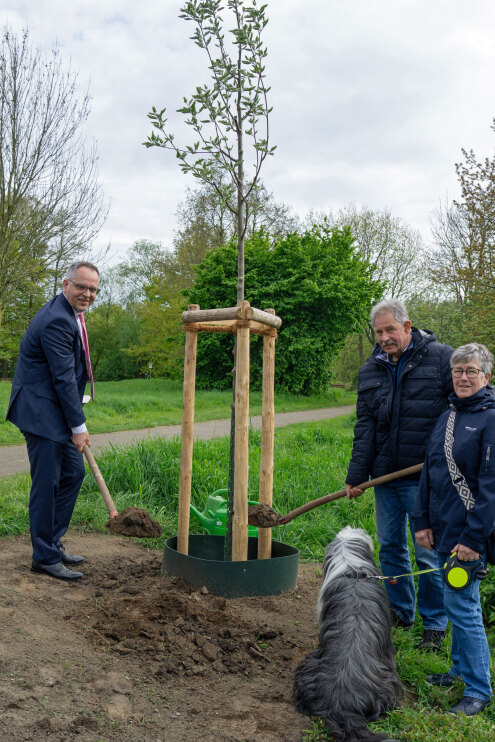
x: 92, y: 289
x: 471, y: 373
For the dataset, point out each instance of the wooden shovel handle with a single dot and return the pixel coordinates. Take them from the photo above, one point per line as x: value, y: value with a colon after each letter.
x: 107, y: 498
x: 364, y: 486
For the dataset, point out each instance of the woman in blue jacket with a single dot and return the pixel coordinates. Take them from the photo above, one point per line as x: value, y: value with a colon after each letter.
x: 447, y: 522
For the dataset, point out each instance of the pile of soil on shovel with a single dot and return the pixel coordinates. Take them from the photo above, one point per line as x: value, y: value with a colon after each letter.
x: 128, y: 654
x: 135, y: 522
x: 263, y: 516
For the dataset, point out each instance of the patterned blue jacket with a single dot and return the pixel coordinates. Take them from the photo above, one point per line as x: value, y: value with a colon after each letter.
x: 439, y: 505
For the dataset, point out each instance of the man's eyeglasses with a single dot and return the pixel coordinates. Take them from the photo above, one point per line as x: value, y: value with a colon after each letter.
x: 471, y: 373
x: 92, y: 289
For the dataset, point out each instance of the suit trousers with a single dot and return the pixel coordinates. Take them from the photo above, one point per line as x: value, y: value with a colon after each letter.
x: 57, y: 472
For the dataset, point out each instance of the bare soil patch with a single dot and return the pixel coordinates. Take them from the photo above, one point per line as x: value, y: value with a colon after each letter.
x: 129, y: 654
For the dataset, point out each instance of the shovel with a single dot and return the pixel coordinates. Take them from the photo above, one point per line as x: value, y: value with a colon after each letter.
x: 264, y: 517
x: 132, y: 521
x: 104, y: 491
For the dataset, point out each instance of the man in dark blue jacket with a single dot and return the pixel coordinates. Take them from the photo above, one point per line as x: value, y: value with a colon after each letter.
x: 402, y: 390
x: 46, y: 405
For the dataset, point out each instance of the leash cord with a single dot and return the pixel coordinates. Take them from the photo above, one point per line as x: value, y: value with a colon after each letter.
x: 410, y: 574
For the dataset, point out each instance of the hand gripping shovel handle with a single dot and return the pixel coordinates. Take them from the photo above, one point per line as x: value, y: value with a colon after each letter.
x: 107, y: 498
x: 364, y: 486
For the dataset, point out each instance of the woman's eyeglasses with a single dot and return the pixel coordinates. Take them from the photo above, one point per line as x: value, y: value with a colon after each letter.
x: 471, y: 373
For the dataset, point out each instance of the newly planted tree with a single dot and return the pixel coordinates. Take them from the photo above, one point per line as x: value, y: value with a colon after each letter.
x: 229, y: 118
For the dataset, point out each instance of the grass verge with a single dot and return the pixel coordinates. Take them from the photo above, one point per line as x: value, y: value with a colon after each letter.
x: 145, y: 403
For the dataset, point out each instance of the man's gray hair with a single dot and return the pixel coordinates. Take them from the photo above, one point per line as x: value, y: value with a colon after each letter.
x: 394, y: 306
x: 72, y: 269
x: 466, y: 353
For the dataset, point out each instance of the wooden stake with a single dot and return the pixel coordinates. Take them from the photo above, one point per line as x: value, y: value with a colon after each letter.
x: 186, y: 451
x: 241, y: 461
x: 267, y: 433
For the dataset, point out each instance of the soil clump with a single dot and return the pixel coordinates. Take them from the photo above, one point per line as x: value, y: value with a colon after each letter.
x: 263, y: 516
x: 135, y: 522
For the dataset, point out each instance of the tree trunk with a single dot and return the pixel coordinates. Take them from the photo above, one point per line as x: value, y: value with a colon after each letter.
x: 240, y: 297
x: 361, y: 350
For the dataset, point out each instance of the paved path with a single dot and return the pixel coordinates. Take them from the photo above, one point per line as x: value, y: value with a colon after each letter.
x: 13, y: 459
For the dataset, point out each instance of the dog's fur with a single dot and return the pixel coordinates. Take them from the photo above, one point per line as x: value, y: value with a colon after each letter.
x: 350, y: 678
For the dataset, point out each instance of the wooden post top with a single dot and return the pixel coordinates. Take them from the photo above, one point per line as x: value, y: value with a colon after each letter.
x: 244, y: 311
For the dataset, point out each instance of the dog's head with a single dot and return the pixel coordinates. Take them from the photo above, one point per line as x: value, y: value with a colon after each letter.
x: 350, y: 551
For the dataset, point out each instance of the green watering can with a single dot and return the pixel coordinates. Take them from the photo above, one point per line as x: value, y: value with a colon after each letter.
x: 214, y: 516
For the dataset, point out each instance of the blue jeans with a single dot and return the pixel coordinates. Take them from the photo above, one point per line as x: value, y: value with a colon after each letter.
x: 394, y: 503
x: 470, y: 653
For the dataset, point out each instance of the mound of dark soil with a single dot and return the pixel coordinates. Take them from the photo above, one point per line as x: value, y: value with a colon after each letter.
x: 135, y: 522
x: 184, y: 629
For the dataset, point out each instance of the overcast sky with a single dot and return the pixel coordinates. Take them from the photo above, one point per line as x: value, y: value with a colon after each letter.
x: 372, y: 100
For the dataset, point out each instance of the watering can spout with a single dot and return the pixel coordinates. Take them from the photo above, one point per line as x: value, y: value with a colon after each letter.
x: 206, y: 522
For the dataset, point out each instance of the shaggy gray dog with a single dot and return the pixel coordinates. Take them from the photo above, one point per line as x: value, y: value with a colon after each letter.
x: 350, y: 678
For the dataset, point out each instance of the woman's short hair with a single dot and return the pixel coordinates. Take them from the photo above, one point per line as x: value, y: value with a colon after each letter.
x: 394, y: 306
x: 466, y: 353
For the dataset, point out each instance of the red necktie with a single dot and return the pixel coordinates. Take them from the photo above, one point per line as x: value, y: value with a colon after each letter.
x: 86, y: 351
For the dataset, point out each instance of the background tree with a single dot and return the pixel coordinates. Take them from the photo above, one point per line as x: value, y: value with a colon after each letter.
x: 51, y: 205
x: 445, y: 317
x: 205, y: 221
x: 393, y: 249
x: 394, y: 252
x: 448, y: 264
x: 463, y: 264
x: 320, y: 286
x: 113, y: 326
x: 136, y: 318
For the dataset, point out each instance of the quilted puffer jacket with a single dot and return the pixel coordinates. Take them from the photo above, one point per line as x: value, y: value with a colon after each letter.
x: 395, y: 419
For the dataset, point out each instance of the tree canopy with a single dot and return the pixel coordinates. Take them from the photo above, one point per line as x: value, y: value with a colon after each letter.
x: 316, y: 282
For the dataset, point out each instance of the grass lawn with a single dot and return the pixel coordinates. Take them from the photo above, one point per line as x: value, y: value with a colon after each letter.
x: 310, y: 461
x: 145, y: 403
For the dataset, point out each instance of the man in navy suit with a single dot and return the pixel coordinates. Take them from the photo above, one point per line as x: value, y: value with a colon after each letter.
x: 46, y: 405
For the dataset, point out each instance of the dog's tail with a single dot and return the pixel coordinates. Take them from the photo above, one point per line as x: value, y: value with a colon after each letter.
x: 352, y: 728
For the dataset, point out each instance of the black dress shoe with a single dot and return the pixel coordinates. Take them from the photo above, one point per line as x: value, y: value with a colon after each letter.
x: 57, y: 570
x: 69, y: 558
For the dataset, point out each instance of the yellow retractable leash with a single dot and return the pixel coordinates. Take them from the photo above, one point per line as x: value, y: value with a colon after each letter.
x: 457, y: 575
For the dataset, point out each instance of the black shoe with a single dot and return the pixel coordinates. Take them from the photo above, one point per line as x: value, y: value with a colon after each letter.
x: 57, y: 570
x: 468, y: 706
x: 399, y: 622
x: 442, y: 679
x: 69, y: 558
x: 432, y: 640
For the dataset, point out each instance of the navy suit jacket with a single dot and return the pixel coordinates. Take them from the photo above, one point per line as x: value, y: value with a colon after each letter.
x: 50, y: 375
